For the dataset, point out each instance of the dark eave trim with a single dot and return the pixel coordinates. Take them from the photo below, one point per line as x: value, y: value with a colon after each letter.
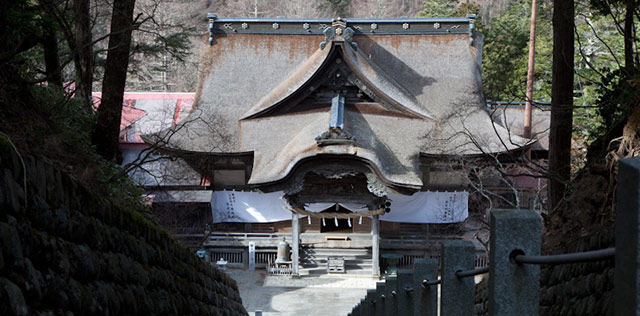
x: 505, y: 153
x: 301, y: 165
x: 406, y: 26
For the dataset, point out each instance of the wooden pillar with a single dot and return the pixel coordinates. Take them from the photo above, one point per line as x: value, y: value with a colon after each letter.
x: 375, y: 245
x: 295, y: 244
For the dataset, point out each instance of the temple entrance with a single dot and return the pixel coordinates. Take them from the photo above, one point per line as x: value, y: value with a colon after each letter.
x: 329, y: 224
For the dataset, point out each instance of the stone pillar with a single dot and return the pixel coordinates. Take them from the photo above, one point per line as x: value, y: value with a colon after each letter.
x: 425, y: 298
x: 627, y: 274
x: 379, y: 308
x: 295, y: 243
x: 405, y: 292
x: 391, y: 302
x: 355, y: 311
x: 514, y: 289
x: 375, y: 245
x: 456, y: 294
x: 367, y: 306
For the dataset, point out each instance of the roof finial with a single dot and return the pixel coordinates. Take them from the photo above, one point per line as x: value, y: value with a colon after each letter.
x: 338, y: 28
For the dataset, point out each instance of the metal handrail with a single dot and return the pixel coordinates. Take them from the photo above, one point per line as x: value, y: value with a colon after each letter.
x: 474, y: 272
x: 426, y: 283
x: 575, y: 257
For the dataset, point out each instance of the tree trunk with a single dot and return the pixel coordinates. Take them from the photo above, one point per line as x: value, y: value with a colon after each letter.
x: 83, y: 52
x: 107, y: 130
x: 51, y: 59
x: 628, y: 37
x: 561, y: 101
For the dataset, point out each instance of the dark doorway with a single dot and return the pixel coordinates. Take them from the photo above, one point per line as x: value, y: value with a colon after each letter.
x: 329, y: 225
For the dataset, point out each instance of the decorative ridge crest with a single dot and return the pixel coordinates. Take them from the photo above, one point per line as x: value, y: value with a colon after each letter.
x: 338, y: 31
x: 336, y: 135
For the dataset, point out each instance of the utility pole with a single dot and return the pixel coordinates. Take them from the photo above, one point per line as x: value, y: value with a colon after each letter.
x: 531, y: 71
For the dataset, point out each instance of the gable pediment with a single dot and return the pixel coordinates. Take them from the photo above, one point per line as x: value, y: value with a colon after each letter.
x: 338, y: 68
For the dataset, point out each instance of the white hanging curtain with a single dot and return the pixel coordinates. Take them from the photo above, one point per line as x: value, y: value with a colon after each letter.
x: 421, y: 207
x: 428, y: 207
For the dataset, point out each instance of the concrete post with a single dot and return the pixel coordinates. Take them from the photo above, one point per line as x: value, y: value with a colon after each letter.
x: 365, y: 303
x: 379, y: 307
x: 405, y: 293
x: 391, y: 302
x: 425, y: 298
x: 295, y: 244
x: 375, y: 245
x: 456, y: 294
x: 360, y: 310
x: 627, y: 276
x: 355, y: 311
x: 514, y: 289
x: 368, y: 308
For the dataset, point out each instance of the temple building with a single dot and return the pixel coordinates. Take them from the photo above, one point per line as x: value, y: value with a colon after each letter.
x: 337, y: 134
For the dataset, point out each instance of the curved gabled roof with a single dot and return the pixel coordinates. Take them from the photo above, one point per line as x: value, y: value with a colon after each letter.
x: 375, y: 78
x: 393, y: 155
x: 302, y: 75
x: 424, y: 74
x: 369, y: 77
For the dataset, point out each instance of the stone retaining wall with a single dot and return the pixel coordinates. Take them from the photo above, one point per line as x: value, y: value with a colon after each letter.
x: 580, y: 289
x: 65, y: 250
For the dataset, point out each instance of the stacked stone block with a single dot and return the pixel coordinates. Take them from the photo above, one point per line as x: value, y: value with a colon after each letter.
x: 66, y: 250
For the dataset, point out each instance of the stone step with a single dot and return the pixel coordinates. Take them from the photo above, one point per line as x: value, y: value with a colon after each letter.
x: 346, y: 261
x: 336, y: 252
x: 324, y: 257
x: 348, y: 271
x: 336, y: 249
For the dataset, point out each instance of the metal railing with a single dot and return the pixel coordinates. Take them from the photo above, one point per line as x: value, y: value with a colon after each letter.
x: 239, y: 257
x: 514, y: 270
x: 263, y: 257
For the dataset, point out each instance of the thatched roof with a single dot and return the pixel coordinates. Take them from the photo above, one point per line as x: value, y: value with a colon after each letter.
x: 511, y: 115
x: 264, y: 85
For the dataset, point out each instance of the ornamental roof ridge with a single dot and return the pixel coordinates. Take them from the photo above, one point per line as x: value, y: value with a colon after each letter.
x: 469, y: 19
x: 316, y: 26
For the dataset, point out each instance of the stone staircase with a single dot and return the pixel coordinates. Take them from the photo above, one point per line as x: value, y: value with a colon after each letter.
x: 356, y: 261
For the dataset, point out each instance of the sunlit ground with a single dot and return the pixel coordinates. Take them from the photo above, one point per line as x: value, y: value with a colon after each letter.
x: 329, y: 295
